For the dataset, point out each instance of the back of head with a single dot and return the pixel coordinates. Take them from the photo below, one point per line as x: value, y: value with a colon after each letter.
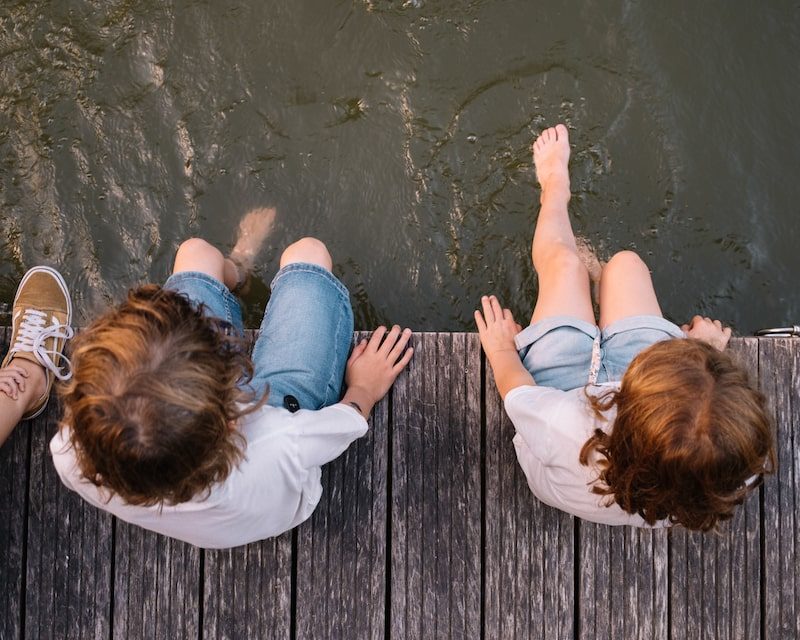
x: 691, y: 437
x: 154, y: 399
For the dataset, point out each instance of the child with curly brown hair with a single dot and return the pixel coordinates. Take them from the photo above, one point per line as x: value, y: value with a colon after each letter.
x: 632, y: 419
x: 170, y: 424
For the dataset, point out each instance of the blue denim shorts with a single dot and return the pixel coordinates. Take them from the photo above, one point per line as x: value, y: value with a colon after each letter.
x: 305, y: 336
x: 566, y: 353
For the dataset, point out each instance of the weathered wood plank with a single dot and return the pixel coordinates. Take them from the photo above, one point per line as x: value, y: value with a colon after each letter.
x: 156, y: 585
x: 247, y: 591
x: 13, y: 512
x: 436, y: 494
x: 623, y: 582
x: 716, y: 578
x: 780, y: 380
x: 529, y: 548
x: 68, y: 573
x: 341, y: 549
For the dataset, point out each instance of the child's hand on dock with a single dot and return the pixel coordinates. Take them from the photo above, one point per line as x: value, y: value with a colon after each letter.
x: 709, y: 331
x: 496, y: 327
x: 374, y: 366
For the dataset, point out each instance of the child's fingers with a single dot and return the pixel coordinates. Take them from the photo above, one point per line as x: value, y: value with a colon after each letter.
x: 480, y: 322
x: 377, y: 338
x: 9, y: 389
x: 401, y: 364
x: 389, y: 341
x: 13, y: 367
x: 400, y: 345
x: 16, y: 376
x: 357, y: 352
x: 488, y: 312
x: 727, y: 331
x: 496, y: 308
x: 718, y: 324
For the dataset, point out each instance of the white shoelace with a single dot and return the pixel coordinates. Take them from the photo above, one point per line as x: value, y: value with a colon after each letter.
x: 32, y: 336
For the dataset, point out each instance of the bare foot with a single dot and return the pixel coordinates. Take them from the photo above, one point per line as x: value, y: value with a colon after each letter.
x: 254, y: 228
x: 551, y: 157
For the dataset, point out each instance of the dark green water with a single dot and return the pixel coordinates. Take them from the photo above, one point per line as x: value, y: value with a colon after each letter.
x: 399, y: 134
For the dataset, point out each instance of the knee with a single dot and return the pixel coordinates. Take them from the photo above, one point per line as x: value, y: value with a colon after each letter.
x: 560, y: 259
x: 308, y: 250
x: 625, y: 262
x: 195, y: 254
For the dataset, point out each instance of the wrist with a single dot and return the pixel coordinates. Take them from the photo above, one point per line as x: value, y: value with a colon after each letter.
x: 359, y: 399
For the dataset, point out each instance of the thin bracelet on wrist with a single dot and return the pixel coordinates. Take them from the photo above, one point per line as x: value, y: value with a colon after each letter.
x: 356, y: 406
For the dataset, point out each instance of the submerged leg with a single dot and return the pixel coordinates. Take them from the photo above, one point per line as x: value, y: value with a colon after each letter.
x: 563, y: 276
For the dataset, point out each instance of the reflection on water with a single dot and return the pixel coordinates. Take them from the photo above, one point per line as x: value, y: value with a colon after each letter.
x: 399, y: 133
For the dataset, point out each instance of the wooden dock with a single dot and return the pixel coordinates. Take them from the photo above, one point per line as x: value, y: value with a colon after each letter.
x: 426, y: 530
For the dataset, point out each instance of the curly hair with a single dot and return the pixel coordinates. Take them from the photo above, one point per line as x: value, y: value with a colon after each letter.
x: 155, y: 397
x: 691, y: 437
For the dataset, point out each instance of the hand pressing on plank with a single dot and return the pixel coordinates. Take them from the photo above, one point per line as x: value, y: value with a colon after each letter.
x: 497, y: 329
x: 709, y: 331
x: 374, y: 366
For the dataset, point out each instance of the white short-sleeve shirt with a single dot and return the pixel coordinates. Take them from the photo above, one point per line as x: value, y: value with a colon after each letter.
x: 275, y: 488
x: 552, y: 427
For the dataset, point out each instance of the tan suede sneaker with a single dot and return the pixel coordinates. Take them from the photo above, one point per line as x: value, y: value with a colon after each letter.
x: 41, y: 319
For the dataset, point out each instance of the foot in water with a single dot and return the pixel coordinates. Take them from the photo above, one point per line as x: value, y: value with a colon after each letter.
x: 254, y: 228
x: 551, y: 158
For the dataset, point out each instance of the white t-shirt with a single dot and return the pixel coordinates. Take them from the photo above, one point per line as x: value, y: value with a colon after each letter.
x: 274, y: 488
x: 552, y: 427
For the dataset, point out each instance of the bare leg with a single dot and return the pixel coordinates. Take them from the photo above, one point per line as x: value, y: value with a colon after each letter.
x: 563, y: 277
x: 254, y: 228
x: 626, y: 289
x: 195, y: 254
x: 28, y: 393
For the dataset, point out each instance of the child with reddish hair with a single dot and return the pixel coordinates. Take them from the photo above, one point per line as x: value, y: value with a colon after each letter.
x: 632, y: 419
x: 170, y: 424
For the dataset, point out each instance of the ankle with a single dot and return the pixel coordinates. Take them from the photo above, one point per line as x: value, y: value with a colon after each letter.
x: 555, y: 191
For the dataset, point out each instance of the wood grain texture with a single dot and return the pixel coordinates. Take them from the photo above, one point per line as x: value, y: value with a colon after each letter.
x: 403, y: 509
x: 780, y: 381
x: 13, y: 513
x: 247, y: 591
x: 436, y: 494
x: 529, y: 549
x: 156, y: 585
x: 341, y: 549
x: 623, y: 582
x: 68, y: 572
x: 716, y: 578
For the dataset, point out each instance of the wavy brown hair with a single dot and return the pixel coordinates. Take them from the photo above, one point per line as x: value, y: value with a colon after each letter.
x: 154, y: 399
x: 690, y: 433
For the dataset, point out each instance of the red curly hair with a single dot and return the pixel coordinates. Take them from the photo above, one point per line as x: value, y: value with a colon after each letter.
x: 154, y: 399
x: 691, y: 438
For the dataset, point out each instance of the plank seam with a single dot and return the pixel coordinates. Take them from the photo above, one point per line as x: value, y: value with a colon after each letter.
x: 576, y: 572
x: 387, y: 606
x: 201, y: 587
x: 112, y: 577
x: 25, y: 513
x: 293, y: 600
x: 483, y: 494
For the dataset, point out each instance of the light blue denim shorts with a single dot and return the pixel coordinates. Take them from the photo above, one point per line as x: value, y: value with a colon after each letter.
x: 305, y: 336
x: 566, y: 353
